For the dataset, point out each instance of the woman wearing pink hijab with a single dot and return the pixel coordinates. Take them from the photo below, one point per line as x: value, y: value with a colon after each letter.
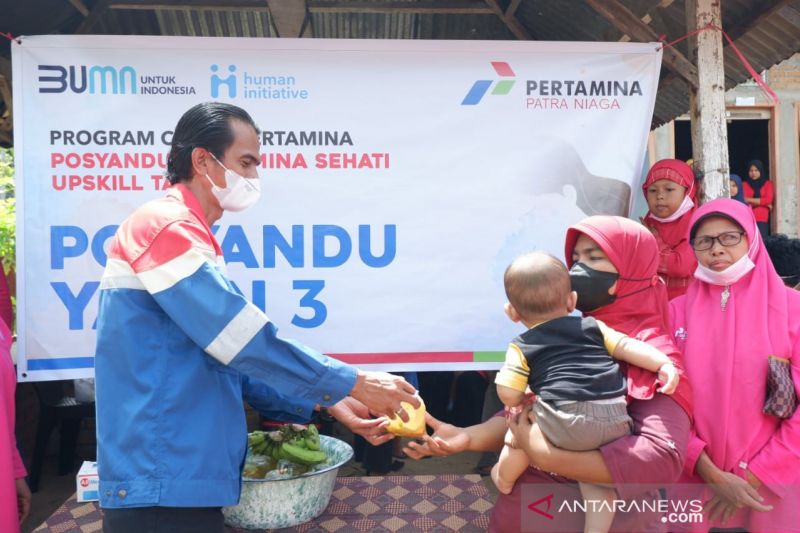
x: 15, y: 497
x: 614, y: 265
x: 739, y: 329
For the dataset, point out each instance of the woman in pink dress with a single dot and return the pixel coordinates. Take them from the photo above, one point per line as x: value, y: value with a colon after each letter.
x: 15, y: 497
x: 739, y: 326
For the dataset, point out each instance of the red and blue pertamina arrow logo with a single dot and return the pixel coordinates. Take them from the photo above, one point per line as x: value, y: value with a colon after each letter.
x: 501, y: 88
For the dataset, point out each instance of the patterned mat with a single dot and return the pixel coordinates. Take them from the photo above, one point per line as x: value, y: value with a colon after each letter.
x: 402, y: 504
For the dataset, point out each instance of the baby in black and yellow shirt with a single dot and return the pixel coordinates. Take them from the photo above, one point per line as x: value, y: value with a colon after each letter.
x: 570, y: 364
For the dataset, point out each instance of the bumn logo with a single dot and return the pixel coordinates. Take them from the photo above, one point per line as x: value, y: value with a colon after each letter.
x: 229, y: 82
x: 501, y: 88
x: 97, y: 79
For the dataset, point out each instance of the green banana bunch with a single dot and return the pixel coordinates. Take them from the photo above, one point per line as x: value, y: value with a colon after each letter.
x: 295, y: 443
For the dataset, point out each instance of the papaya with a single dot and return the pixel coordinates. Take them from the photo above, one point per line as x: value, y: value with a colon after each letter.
x: 415, y: 427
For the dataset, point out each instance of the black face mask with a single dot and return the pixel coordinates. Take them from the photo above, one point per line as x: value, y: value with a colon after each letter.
x: 592, y: 287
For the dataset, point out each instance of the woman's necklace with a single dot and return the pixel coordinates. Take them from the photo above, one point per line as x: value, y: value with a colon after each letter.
x: 724, y: 297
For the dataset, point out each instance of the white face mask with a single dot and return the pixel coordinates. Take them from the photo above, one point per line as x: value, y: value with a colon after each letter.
x: 239, y: 192
x: 684, y: 208
x: 730, y: 275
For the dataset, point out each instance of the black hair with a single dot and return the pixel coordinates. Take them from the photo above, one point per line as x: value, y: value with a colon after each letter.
x: 702, y: 219
x: 206, y: 125
x: 759, y: 165
x: 536, y: 284
x: 785, y: 255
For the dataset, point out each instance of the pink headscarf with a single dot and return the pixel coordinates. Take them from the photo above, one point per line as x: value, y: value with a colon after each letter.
x: 10, y: 463
x: 677, y: 257
x: 673, y: 170
x: 640, y: 309
x: 726, y: 351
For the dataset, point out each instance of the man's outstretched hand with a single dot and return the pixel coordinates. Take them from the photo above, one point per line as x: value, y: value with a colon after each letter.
x: 382, y: 393
x: 356, y: 417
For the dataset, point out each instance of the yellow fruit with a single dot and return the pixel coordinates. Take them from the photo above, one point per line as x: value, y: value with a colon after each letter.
x: 415, y: 427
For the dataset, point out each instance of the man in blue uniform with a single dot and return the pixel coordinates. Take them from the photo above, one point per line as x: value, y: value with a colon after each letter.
x: 177, y: 344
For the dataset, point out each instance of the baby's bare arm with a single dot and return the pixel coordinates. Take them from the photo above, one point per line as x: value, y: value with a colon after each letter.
x: 510, y: 397
x: 640, y: 354
x: 645, y: 356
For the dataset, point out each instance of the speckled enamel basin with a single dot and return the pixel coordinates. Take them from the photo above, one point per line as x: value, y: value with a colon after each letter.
x: 267, y: 504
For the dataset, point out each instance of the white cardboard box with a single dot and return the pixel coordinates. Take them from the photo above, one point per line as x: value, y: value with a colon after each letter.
x: 87, y: 482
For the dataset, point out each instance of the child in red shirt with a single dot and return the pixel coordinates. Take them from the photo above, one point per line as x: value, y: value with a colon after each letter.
x: 670, y: 193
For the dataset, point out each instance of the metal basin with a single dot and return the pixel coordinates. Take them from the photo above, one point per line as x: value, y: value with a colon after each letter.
x: 268, y: 504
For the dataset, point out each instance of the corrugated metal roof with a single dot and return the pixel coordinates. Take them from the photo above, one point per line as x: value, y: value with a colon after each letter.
x: 208, y: 23
x: 766, y: 31
x: 365, y: 25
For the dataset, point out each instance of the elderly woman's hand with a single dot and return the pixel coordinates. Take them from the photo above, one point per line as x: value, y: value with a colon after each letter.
x: 730, y: 491
x: 446, y: 440
x: 731, y: 494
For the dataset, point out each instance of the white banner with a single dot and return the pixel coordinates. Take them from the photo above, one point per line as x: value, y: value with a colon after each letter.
x: 399, y: 178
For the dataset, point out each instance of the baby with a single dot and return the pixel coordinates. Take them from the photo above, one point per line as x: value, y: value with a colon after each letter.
x: 570, y: 364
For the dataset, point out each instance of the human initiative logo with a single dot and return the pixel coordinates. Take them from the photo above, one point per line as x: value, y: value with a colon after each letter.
x: 255, y: 85
x: 501, y: 88
x: 228, y: 82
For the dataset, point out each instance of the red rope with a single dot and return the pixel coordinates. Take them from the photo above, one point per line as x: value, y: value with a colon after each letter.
x: 755, y: 75
x: 10, y: 37
x: 692, y: 34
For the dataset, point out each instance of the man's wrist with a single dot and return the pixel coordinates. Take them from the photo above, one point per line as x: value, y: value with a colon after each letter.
x: 359, y: 384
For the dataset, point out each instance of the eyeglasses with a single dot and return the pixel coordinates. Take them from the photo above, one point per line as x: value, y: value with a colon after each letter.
x: 705, y: 242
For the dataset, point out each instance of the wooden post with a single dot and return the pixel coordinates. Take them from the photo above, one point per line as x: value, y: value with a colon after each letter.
x: 694, y: 116
x: 709, y: 123
x: 290, y: 18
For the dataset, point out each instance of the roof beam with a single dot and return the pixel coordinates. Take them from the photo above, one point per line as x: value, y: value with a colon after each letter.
x: 449, y: 7
x: 94, y: 15
x: 80, y: 6
x: 739, y: 31
x: 627, y: 22
x: 510, y: 20
x: 190, y: 5
x: 289, y: 17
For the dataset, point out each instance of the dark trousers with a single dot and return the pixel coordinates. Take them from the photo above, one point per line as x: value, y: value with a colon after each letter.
x: 434, y: 387
x: 491, y: 406
x: 164, y: 520
x: 763, y: 228
x: 375, y: 459
x: 468, y: 393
